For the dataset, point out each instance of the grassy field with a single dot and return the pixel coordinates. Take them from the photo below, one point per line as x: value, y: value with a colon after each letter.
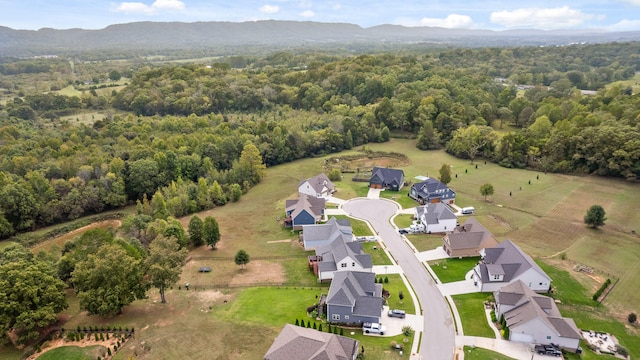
x: 449, y: 270
x: 359, y: 227
x: 403, y: 220
x: 477, y: 353
x: 544, y: 218
x: 471, y: 310
x: 395, y: 286
x: 73, y: 353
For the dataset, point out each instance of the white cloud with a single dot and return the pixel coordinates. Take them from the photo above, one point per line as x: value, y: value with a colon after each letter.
x: 451, y: 22
x: 168, y: 4
x: 142, y: 8
x: 307, y: 14
x: 269, y: 9
x: 626, y: 25
x: 550, y: 18
x: 634, y: 2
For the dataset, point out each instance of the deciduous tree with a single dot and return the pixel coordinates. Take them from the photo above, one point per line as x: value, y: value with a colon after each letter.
x: 164, y: 263
x: 30, y: 293
x: 211, y: 231
x: 242, y: 258
x: 595, y: 216
x: 108, y: 280
x: 445, y: 174
x: 196, y: 230
x: 486, y: 190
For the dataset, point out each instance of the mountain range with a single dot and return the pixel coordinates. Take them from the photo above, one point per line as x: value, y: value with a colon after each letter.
x: 230, y: 37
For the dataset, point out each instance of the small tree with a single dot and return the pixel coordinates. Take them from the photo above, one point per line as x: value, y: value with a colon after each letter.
x: 445, y: 174
x: 335, y: 175
x: 486, y: 190
x: 196, y: 230
x: 242, y: 258
x: 211, y: 231
x: 632, y: 318
x: 595, y: 216
x: 401, y: 296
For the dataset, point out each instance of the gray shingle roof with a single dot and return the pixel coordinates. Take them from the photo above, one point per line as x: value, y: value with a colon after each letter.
x: 328, y: 232
x: 511, y: 258
x: 314, y: 206
x: 471, y: 235
x: 339, y: 250
x: 356, y: 289
x: 299, y: 343
x: 387, y: 175
x: 319, y: 182
x: 433, y: 213
x: 530, y: 305
x: 432, y: 188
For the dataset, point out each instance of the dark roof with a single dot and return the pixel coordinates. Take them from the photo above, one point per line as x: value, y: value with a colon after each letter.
x: 358, y: 290
x: 329, y: 231
x: 431, y: 188
x: 300, y: 343
x: 388, y: 175
x: 510, y: 258
x: 470, y: 235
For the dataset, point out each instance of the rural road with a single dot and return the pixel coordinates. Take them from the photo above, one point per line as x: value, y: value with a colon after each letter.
x: 438, y: 339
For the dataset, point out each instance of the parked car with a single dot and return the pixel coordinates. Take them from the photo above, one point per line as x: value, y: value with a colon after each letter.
x: 204, y: 269
x: 374, y: 328
x: 397, y: 313
x: 403, y: 231
x: 551, y: 350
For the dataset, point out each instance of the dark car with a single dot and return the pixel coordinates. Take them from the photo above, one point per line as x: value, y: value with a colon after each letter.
x: 403, y: 231
x: 397, y: 313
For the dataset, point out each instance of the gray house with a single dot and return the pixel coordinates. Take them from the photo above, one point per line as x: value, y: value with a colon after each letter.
x: 318, y: 186
x: 436, y: 218
x: 432, y: 191
x: 339, y: 256
x: 305, y: 210
x: 354, y: 298
x: 300, y: 343
x: 535, y: 318
x: 506, y: 263
x: 314, y: 236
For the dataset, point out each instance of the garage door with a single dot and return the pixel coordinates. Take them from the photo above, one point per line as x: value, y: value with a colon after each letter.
x: 521, y: 337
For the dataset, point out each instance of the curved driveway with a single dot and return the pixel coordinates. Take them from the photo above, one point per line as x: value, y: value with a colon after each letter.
x: 438, y: 339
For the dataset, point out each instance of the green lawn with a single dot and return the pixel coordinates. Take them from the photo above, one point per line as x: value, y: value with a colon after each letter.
x: 276, y: 307
x: 424, y: 242
x: 477, y: 353
x: 449, y: 270
x: 403, y: 220
x: 566, y: 288
x: 74, y: 353
x: 378, y: 256
x: 401, y: 197
x: 471, y: 310
x: 395, y: 286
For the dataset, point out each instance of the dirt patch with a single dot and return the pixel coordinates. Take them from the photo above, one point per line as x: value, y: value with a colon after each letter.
x: 60, y: 240
x: 88, y: 341
x: 259, y: 272
x: 278, y: 241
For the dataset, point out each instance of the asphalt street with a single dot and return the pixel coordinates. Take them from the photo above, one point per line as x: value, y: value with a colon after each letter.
x: 438, y: 339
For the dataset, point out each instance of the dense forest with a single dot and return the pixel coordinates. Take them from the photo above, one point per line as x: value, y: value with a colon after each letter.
x: 194, y: 136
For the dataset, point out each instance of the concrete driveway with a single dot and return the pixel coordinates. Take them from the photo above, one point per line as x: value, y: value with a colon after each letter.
x: 438, y: 340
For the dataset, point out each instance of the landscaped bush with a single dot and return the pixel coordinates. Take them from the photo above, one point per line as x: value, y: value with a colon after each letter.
x: 407, y: 330
x: 493, y: 316
x: 602, y: 288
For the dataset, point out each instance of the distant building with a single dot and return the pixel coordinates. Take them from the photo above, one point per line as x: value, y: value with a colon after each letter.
x: 306, y: 210
x: 354, y: 298
x: 436, y: 218
x: 315, y: 236
x: 339, y: 256
x: 386, y: 179
x: 318, y: 186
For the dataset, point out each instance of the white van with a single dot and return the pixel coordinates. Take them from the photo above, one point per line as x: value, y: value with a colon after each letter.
x: 469, y: 210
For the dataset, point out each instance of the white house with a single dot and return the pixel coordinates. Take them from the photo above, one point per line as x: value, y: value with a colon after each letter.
x: 534, y: 318
x: 436, y: 218
x: 315, y: 236
x: 506, y: 263
x: 318, y: 186
x: 339, y: 256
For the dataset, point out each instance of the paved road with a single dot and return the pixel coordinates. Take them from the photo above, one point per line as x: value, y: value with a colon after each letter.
x: 438, y: 339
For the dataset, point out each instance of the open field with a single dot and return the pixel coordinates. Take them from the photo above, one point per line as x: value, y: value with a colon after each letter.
x: 424, y: 242
x: 544, y: 218
x: 73, y: 353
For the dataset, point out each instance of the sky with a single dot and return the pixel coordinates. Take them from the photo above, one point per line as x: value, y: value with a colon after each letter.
x: 612, y: 15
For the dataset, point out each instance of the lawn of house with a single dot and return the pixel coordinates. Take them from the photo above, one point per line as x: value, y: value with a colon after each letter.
x: 450, y: 269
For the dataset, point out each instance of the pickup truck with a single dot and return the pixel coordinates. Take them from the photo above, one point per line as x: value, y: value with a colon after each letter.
x: 548, y: 350
x: 374, y: 328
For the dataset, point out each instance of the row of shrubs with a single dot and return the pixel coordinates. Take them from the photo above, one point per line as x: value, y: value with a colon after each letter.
x: 102, y: 328
x: 308, y: 324
x: 602, y: 288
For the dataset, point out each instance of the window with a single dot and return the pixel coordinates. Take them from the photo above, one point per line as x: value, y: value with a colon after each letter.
x: 496, y: 277
x: 540, y: 284
x: 353, y: 264
x: 335, y: 317
x: 548, y: 337
x: 346, y: 317
x: 343, y: 265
